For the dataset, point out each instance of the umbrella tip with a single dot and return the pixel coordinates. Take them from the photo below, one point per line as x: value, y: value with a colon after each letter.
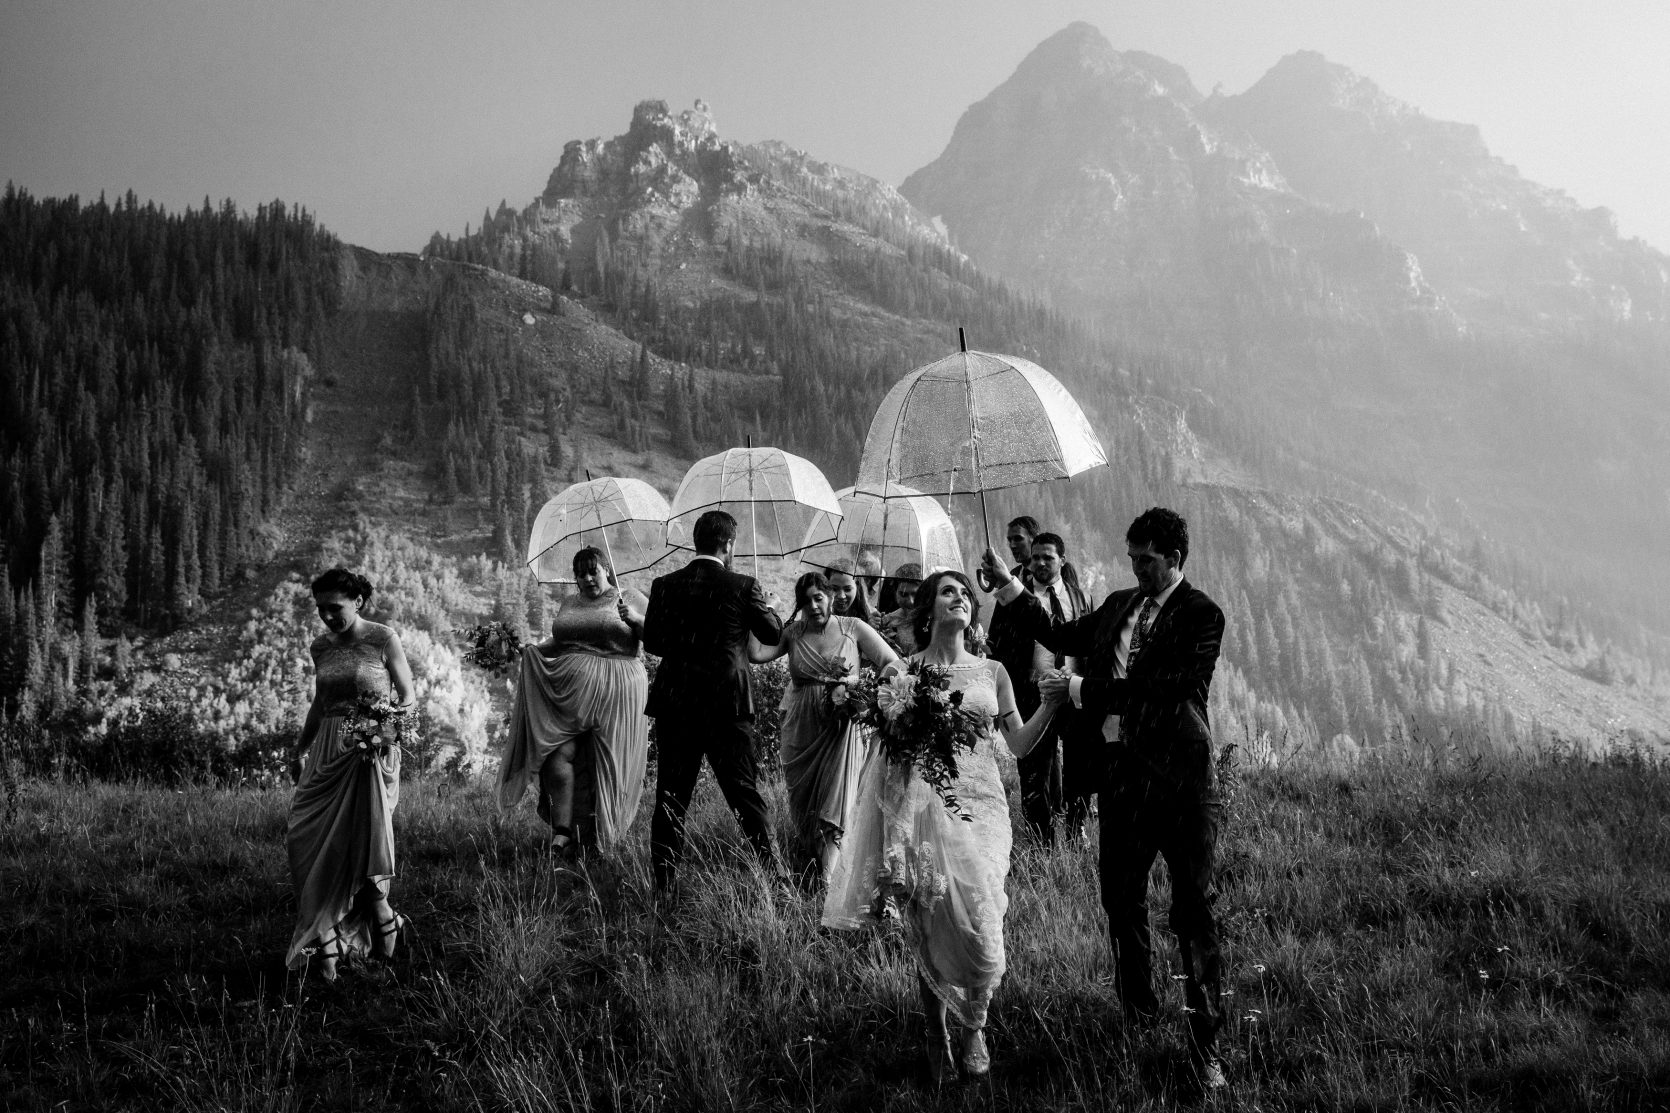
x: 962, y: 343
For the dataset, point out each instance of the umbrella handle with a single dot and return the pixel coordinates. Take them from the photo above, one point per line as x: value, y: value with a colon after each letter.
x: 981, y: 576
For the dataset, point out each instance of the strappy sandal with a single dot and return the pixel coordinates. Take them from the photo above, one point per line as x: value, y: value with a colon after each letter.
x: 562, y: 843
x: 329, y: 952
x: 391, y: 931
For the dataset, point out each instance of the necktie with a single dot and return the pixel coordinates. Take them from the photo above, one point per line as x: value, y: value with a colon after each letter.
x: 1139, y: 635
x: 1057, y: 617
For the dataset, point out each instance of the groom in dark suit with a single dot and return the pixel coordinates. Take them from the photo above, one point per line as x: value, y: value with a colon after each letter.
x: 1146, y: 658
x: 698, y: 621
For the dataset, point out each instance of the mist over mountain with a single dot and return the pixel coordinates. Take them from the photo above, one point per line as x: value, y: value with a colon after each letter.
x: 1382, y: 298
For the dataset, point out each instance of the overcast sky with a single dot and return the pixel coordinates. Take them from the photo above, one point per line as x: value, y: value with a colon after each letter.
x: 392, y: 120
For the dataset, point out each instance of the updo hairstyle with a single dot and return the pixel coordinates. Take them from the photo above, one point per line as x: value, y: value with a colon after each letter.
x: 340, y: 581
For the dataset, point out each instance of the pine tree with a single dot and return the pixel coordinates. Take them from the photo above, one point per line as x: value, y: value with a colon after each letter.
x: 88, y: 666
x: 57, y: 587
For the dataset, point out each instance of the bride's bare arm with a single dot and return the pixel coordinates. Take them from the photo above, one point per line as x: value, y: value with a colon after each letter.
x: 1020, y: 736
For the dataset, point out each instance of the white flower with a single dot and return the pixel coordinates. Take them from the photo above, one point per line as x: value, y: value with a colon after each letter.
x: 839, y: 695
x: 893, y: 697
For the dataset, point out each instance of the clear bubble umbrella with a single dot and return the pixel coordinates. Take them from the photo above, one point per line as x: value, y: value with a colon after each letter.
x: 626, y: 518
x: 907, y: 528
x: 975, y: 422
x: 781, y: 502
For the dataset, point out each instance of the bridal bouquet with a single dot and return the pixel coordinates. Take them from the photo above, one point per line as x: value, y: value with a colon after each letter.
x: 375, y: 726
x: 494, y: 646
x: 921, y: 722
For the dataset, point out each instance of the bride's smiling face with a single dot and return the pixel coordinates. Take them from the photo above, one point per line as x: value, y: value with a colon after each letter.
x: 953, y: 603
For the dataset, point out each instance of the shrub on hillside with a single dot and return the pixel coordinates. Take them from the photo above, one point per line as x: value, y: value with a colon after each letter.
x: 159, y: 739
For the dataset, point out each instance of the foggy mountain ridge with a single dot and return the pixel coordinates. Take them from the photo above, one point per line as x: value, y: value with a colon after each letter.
x: 1377, y: 293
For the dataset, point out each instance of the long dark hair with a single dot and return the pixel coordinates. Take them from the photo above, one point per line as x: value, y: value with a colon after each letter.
x: 803, y: 588
x: 860, y: 602
x: 922, y: 618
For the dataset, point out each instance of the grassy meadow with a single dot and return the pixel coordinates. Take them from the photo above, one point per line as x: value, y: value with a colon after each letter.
x: 1445, y: 934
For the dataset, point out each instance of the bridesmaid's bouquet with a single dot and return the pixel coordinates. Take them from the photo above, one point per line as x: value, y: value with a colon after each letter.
x: 375, y: 726
x: 853, y: 698
x: 494, y: 646
x: 922, y: 723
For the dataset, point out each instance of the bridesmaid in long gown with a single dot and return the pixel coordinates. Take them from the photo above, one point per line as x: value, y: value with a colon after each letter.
x: 943, y: 875
x: 822, y: 753
x: 341, y: 829
x: 578, y: 724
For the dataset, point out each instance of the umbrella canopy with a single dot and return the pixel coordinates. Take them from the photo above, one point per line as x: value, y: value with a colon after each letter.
x: 781, y: 502
x: 906, y: 528
x: 975, y: 421
x: 626, y: 518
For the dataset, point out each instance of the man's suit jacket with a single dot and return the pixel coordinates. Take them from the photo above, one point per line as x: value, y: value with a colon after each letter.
x: 1163, y: 699
x: 698, y: 621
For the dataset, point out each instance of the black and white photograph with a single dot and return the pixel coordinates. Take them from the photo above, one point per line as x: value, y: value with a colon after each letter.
x: 739, y: 555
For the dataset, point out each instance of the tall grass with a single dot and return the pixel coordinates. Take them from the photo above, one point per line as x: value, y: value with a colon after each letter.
x: 1488, y: 934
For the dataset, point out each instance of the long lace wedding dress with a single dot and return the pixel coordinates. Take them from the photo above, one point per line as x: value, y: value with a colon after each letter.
x: 943, y: 874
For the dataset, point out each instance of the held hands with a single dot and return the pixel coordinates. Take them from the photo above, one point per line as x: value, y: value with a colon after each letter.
x: 1052, y: 686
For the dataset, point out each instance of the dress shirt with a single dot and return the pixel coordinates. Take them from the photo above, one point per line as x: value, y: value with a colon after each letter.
x: 1122, y: 655
x: 1043, y: 660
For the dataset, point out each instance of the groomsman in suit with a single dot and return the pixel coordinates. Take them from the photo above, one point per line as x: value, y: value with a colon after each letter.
x: 1019, y: 534
x: 698, y: 621
x: 1059, y: 755
x: 1146, y: 658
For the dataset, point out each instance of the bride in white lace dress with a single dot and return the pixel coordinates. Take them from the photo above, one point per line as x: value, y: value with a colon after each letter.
x: 943, y: 875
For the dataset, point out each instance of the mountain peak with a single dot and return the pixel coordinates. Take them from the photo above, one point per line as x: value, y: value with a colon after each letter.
x: 1307, y: 81
x: 1080, y: 53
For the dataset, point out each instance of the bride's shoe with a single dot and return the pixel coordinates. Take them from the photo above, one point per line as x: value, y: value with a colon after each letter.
x: 940, y: 1063
x: 977, y: 1061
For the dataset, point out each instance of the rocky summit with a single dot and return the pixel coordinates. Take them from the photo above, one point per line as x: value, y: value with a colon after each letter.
x: 1097, y: 177
x: 1500, y: 248
x: 671, y: 186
